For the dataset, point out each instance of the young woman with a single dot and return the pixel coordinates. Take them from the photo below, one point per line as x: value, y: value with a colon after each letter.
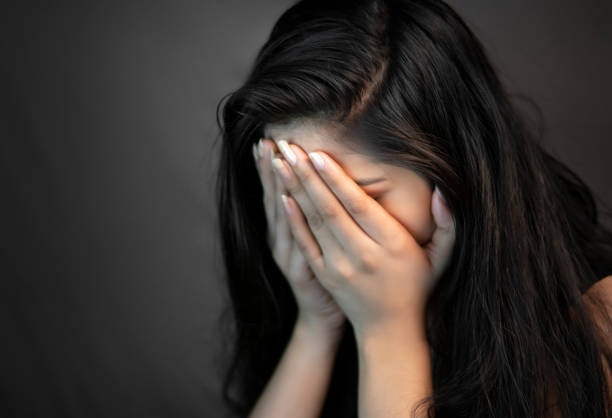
x: 399, y: 242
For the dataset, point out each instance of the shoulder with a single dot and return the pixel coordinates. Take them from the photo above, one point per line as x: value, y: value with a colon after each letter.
x: 598, y: 300
x: 601, y: 288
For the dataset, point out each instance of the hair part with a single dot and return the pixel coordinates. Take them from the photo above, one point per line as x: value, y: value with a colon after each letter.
x: 414, y: 87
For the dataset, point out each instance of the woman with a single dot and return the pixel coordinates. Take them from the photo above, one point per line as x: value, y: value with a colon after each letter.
x: 440, y: 261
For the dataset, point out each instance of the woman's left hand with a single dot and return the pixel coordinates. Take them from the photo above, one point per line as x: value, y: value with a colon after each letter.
x: 373, y: 267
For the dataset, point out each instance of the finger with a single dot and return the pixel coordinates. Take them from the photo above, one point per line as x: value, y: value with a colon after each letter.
x: 331, y: 248
x: 304, y: 239
x: 373, y: 219
x: 284, y: 240
x: 265, y: 148
x: 443, y: 239
x: 352, y: 237
x: 298, y: 266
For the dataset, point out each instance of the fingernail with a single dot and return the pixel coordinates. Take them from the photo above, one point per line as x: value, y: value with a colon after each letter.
x: 255, y: 156
x: 286, y: 150
x: 442, y: 215
x: 285, y: 203
x: 260, y: 147
x: 277, y: 165
x: 441, y: 196
x: 317, y: 160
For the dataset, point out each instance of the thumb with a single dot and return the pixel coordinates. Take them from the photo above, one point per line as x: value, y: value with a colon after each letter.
x: 442, y: 241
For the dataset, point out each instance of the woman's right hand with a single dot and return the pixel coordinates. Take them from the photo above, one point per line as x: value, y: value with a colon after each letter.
x: 317, y: 309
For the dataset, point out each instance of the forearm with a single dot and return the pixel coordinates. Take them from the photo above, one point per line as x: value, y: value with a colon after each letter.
x: 299, y: 384
x: 394, y: 372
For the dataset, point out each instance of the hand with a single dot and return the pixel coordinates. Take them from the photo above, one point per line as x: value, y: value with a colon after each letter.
x: 317, y: 310
x: 375, y: 270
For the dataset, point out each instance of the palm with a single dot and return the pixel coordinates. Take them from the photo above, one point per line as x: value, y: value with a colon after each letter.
x: 315, y: 303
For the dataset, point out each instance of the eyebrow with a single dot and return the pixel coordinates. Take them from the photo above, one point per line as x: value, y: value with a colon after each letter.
x: 365, y: 182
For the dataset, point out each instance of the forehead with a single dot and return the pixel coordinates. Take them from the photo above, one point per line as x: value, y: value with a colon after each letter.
x: 308, y: 134
x: 313, y: 135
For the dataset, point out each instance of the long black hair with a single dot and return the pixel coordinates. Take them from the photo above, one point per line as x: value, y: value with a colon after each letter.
x: 508, y: 325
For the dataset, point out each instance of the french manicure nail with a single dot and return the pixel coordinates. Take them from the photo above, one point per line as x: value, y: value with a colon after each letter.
x: 260, y: 148
x: 441, y: 196
x: 277, y: 164
x: 285, y: 203
x: 317, y: 160
x: 286, y: 150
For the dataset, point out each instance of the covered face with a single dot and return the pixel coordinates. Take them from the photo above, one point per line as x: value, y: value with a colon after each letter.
x: 402, y: 192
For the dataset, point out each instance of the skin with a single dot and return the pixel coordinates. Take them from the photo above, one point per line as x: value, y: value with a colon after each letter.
x: 394, y: 362
x: 403, y: 193
x: 356, y: 249
x: 348, y: 255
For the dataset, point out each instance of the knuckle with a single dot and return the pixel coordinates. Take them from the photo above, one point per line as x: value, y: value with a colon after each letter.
x: 305, y: 174
x: 367, y: 261
x: 293, y: 187
x: 343, y: 271
x: 329, y: 211
x: 355, y: 206
x: 315, y: 221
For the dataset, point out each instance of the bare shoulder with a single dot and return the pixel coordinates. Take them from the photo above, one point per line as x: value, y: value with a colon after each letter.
x: 605, y: 283
x: 603, y: 289
x: 598, y: 299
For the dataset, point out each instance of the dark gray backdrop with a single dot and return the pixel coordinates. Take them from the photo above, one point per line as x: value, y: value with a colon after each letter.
x: 110, y: 267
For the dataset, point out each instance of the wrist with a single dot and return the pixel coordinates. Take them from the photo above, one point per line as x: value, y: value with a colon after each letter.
x: 316, y: 333
x: 395, y: 370
x: 405, y: 333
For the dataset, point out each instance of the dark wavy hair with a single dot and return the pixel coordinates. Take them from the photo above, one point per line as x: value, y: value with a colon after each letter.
x: 507, y: 324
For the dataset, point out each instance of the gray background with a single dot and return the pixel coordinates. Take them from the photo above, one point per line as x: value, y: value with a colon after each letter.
x: 110, y: 284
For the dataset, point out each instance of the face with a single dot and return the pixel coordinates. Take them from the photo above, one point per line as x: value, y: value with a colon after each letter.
x: 402, y: 192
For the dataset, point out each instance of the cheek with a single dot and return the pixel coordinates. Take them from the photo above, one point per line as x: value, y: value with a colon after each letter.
x: 412, y: 208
